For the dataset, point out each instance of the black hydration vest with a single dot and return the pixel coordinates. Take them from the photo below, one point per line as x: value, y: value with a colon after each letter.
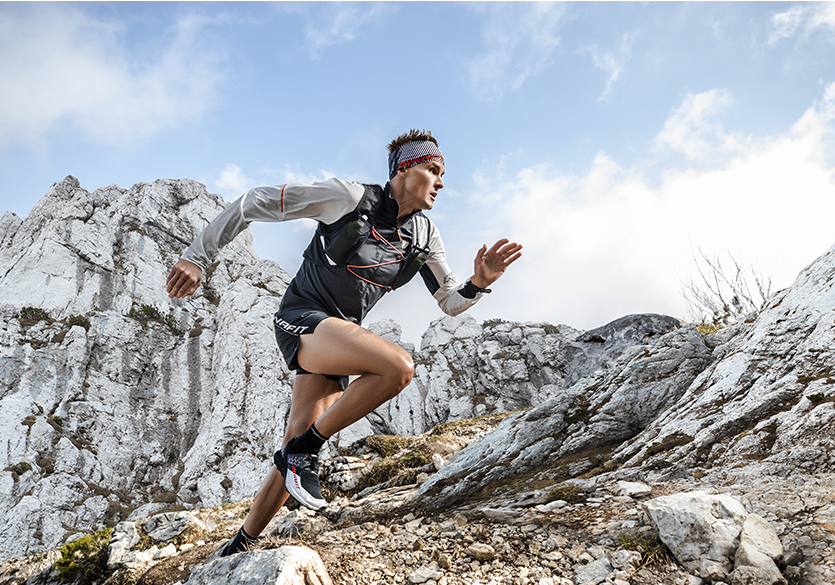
x: 361, y: 256
x: 356, y: 242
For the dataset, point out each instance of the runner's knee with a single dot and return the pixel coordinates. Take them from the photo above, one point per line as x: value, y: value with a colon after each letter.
x: 401, y: 370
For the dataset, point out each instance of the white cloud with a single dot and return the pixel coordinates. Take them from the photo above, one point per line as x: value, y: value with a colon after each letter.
x: 336, y: 24
x: 63, y: 69
x: 233, y: 182
x: 611, y: 242
x: 802, y: 21
x: 519, y: 39
x: 691, y: 129
x: 611, y: 63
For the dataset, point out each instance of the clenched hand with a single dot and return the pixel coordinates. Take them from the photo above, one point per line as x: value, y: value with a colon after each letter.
x: 183, y: 279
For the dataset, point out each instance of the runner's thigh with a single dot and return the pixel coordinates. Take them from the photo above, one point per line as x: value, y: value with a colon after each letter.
x: 340, y: 347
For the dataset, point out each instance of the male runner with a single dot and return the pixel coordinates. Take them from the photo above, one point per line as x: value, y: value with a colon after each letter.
x: 369, y: 240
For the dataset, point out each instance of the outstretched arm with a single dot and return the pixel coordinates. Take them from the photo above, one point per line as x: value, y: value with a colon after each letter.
x: 491, y: 264
x: 324, y: 201
x: 183, y: 279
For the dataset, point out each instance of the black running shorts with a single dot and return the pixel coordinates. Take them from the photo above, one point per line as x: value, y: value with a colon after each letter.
x: 289, y: 326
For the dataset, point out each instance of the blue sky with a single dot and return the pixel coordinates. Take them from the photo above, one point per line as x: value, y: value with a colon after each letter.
x: 614, y: 140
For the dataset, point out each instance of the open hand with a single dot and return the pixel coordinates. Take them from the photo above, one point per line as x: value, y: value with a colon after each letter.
x: 491, y: 264
x: 183, y: 279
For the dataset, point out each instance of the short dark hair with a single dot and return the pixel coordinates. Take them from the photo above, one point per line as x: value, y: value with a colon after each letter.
x: 411, y: 136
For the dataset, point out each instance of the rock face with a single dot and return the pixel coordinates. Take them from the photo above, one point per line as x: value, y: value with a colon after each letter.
x: 464, y: 369
x: 760, y: 392
x: 577, y: 428
x: 122, y: 396
x: 116, y: 401
x: 768, y: 395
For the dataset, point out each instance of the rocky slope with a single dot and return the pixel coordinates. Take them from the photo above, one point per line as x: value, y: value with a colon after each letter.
x: 114, y: 397
x: 758, y: 395
x: 156, y: 400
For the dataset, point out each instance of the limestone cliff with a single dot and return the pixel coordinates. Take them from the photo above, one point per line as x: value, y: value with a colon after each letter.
x: 114, y: 395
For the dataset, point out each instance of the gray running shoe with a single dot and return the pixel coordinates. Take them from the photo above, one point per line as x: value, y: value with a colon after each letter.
x: 301, y: 477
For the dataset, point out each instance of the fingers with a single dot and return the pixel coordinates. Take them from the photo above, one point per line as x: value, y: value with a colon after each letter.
x: 513, y: 258
x: 183, y: 279
x: 498, y: 245
x: 178, y: 283
x: 481, y: 252
x: 507, y: 251
x: 491, y: 264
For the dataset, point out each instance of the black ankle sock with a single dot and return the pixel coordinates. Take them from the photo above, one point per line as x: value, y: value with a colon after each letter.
x: 241, y: 541
x: 247, y: 536
x: 310, y: 441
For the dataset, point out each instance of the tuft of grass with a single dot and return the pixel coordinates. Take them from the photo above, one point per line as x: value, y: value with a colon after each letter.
x: 387, y: 445
x: 654, y: 553
x: 470, y: 426
x: 145, y: 313
x: 47, y: 465
x: 84, y: 560
x: 568, y: 493
x: 387, y: 469
x: 19, y: 469
x: 34, y: 314
x: 81, y: 320
x: 820, y: 398
x: 709, y: 328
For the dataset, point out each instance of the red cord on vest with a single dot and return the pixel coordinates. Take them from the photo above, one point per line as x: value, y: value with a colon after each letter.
x: 377, y: 236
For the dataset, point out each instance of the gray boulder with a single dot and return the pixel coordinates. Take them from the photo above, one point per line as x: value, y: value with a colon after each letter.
x: 759, y: 548
x: 700, y: 529
x: 288, y: 565
x: 165, y: 526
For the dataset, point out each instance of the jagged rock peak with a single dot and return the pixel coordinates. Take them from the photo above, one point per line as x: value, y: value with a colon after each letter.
x: 113, y: 395
x: 79, y: 251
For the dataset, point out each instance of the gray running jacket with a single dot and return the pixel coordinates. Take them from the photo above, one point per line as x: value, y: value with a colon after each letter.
x: 384, y: 256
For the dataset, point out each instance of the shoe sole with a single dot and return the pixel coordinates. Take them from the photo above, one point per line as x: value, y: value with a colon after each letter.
x: 293, y: 483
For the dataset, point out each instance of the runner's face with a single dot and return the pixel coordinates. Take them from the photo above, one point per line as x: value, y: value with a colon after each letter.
x: 421, y: 184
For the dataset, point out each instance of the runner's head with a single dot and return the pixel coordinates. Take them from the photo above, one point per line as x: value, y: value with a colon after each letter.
x: 412, y: 148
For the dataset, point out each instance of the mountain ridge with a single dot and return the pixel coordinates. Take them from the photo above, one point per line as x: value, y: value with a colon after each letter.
x: 122, y: 402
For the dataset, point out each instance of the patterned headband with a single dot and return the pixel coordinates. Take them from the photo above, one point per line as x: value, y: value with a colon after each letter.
x: 411, y: 154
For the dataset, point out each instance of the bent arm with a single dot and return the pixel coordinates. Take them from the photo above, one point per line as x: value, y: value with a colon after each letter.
x: 452, y: 296
x: 455, y: 298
